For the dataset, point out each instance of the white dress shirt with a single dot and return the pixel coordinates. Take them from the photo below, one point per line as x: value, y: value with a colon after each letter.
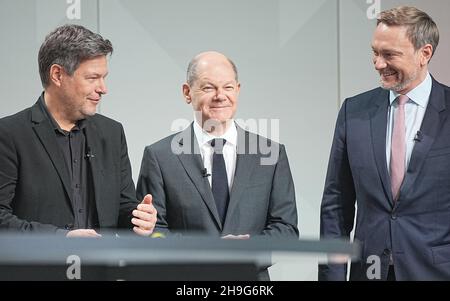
x: 207, y: 151
x: 414, y: 112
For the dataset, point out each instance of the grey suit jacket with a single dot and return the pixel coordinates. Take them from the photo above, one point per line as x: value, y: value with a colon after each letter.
x: 262, y: 199
x: 415, y: 229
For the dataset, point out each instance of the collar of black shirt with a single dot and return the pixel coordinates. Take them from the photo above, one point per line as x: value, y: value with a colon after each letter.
x: 80, y: 125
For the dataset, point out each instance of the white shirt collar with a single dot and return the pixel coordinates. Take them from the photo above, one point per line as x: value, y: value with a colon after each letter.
x: 204, y: 137
x: 420, y: 94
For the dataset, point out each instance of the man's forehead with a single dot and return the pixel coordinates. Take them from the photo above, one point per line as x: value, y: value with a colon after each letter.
x: 94, y: 65
x: 211, y: 64
x: 216, y: 71
x: 390, y: 37
x: 386, y: 32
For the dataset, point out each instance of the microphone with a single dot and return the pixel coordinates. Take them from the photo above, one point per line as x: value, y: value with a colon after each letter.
x: 89, y: 154
x: 418, y: 136
x: 205, y: 173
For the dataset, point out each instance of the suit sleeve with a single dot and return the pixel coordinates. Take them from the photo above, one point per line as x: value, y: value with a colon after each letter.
x: 282, y: 215
x: 151, y: 181
x: 9, y: 176
x: 338, y: 201
x: 128, y: 201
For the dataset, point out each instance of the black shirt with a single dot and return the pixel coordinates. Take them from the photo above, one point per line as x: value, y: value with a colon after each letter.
x: 73, y: 146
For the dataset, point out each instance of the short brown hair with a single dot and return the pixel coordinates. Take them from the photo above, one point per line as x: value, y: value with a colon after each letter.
x: 69, y: 45
x: 421, y: 29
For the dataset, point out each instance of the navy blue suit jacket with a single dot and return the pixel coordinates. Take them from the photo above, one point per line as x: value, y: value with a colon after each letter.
x: 415, y: 230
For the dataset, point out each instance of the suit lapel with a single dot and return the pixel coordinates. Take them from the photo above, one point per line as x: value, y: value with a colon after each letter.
x: 378, y: 123
x: 45, y: 132
x: 245, y: 164
x: 193, y: 164
x: 431, y: 124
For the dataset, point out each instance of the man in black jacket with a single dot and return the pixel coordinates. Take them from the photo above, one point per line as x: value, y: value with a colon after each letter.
x: 64, y: 168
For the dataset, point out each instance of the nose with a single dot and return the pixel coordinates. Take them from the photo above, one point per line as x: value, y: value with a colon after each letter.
x: 220, y: 94
x: 379, y: 63
x: 101, y: 88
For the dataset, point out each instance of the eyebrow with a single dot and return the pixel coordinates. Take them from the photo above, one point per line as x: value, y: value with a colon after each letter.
x: 209, y: 83
x: 388, y: 50
x: 96, y: 74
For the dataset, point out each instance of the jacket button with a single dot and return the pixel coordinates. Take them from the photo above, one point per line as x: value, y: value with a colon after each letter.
x: 387, y: 252
x: 394, y: 217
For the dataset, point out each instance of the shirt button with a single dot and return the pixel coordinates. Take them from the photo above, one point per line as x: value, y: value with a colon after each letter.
x: 77, y: 185
x: 75, y: 161
x: 80, y: 210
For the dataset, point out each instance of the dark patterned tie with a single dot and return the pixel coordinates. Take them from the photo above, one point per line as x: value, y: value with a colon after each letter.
x: 219, y: 178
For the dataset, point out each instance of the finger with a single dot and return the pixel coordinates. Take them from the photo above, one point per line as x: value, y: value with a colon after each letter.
x: 141, y: 232
x: 91, y: 233
x: 338, y: 258
x: 241, y: 236
x: 83, y: 233
x: 148, y: 199
x: 143, y: 224
x: 143, y: 215
x: 149, y: 208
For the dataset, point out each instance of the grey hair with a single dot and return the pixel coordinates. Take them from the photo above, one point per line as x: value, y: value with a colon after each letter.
x: 68, y: 46
x: 192, y: 76
x: 421, y: 29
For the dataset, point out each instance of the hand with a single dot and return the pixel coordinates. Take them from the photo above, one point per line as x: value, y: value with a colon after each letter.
x: 83, y: 233
x: 144, y: 217
x: 231, y: 236
x: 338, y: 258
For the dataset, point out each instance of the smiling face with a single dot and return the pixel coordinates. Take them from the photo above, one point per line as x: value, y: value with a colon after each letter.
x: 81, y: 92
x: 214, y: 93
x: 401, y: 67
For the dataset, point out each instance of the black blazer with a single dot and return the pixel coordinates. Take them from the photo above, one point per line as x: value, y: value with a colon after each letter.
x: 415, y: 229
x: 34, y: 181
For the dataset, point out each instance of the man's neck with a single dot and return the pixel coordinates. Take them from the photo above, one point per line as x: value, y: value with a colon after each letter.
x: 57, y: 112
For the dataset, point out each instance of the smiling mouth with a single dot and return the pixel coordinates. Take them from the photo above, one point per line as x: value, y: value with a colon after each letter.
x: 388, y: 73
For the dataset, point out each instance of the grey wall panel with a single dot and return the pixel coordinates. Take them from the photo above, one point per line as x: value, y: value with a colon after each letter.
x: 19, y: 77
x: 356, y: 70
x: 23, y: 27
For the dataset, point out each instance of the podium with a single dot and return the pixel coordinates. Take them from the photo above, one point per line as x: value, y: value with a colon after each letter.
x: 126, y: 256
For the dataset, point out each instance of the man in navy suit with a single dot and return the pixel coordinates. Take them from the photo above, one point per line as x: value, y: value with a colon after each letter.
x: 391, y: 154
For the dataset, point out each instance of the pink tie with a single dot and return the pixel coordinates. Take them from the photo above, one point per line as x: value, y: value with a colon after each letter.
x: 398, y: 147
